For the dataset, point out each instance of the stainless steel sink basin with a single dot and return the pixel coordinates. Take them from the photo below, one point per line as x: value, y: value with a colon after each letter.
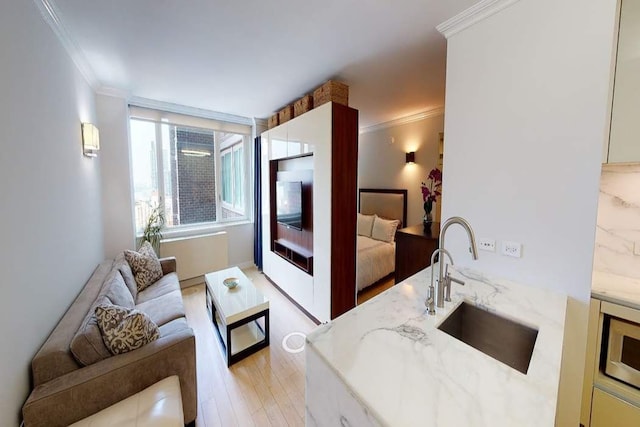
x: 503, y: 339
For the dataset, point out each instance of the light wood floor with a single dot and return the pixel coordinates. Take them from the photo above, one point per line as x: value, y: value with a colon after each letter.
x: 375, y: 289
x: 265, y: 389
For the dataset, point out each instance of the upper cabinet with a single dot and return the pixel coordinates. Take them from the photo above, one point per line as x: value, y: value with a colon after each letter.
x: 624, y: 138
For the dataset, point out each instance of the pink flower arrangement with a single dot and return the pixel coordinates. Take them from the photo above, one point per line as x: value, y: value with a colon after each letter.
x: 431, y: 191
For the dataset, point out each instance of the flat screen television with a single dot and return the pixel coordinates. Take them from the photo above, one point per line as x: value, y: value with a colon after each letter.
x: 289, y: 203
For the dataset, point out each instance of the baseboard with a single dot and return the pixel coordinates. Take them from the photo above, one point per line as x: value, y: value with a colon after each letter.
x: 294, y: 302
x: 187, y: 283
x: 245, y: 264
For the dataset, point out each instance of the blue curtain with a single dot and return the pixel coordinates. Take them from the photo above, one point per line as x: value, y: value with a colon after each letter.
x: 257, y: 203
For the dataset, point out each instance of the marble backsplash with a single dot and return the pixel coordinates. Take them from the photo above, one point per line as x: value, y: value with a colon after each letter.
x: 618, y: 228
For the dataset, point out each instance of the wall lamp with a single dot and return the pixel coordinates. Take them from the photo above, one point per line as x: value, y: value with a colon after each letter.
x: 411, y: 157
x: 90, y: 140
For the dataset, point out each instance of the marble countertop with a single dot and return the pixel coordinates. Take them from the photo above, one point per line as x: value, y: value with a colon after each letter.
x: 406, y: 372
x: 616, y: 289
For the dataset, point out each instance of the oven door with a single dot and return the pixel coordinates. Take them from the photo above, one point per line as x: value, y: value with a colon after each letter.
x: 623, y: 352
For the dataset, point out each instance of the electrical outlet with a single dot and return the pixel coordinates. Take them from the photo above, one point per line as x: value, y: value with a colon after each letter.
x: 636, y: 247
x: 487, y: 245
x: 513, y: 249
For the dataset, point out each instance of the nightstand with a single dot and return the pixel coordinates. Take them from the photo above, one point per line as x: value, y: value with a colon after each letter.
x: 414, y: 246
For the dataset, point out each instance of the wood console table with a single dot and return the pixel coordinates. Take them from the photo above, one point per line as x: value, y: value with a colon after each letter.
x: 414, y: 247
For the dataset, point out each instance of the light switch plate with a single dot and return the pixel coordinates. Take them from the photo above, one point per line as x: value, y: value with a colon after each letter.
x: 636, y: 247
x: 488, y: 245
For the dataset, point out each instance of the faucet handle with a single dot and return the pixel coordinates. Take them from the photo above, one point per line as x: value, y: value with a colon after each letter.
x: 458, y: 281
x: 448, y: 278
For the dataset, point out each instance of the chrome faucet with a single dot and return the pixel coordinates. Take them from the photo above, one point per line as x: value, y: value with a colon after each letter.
x: 444, y: 277
x: 431, y: 298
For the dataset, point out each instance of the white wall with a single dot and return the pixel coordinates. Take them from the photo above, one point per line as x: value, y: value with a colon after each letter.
x: 382, y: 164
x: 50, y: 193
x: 526, y: 104
x: 117, y: 197
x: 240, y: 244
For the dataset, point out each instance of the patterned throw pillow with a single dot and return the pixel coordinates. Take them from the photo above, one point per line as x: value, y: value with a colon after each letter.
x: 145, y: 265
x: 125, y: 329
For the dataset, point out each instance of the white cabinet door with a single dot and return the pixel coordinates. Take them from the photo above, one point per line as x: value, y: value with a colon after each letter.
x: 609, y: 411
x: 314, y: 129
x: 624, y: 139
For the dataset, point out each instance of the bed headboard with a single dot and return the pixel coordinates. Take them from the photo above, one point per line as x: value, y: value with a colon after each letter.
x: 384, y: 202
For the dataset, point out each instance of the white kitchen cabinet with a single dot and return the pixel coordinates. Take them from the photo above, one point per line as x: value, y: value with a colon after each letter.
x: 624, y: 138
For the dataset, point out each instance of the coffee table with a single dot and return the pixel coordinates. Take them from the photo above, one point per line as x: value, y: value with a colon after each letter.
x: 234, y: 313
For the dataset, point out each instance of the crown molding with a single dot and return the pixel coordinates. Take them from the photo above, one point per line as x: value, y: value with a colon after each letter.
x: 261, y: 122
x: 191, y: 111
x: 259, y: 126
x: 474, y: 14
x: 404, y: 120
x: 52, y: 16
x: 114, y: 92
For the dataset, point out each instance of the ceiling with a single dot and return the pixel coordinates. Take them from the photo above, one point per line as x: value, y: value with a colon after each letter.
x: 252, y: 57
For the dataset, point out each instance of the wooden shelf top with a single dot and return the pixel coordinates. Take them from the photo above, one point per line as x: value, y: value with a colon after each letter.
x: 296, y: 248
x: 418, y: 230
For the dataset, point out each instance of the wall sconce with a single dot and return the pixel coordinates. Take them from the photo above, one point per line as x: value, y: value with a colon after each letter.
x: 90, y: 140
x: 411, y: 157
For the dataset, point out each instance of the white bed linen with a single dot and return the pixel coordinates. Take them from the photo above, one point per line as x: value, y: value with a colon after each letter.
x: 376, y: 259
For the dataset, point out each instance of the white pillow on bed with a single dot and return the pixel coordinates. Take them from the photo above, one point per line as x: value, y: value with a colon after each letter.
x: 365, y: 224
x: 384, y: 229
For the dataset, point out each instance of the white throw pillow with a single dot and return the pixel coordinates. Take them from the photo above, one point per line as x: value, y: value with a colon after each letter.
x: 365, y: 224
x: 384, y: 229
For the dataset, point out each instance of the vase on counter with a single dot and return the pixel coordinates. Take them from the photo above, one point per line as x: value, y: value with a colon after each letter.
x: 427, y: 220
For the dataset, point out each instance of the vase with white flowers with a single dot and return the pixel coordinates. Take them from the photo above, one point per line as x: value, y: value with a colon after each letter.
x: 430, y: 193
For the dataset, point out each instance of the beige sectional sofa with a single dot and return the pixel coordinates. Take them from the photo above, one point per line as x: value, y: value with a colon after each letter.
x: 74, y: 375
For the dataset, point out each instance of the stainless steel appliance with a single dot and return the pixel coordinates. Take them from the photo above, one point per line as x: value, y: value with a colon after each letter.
x: 623, y: 351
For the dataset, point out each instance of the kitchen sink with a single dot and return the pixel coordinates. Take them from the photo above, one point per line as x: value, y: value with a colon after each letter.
x: 503, y: 339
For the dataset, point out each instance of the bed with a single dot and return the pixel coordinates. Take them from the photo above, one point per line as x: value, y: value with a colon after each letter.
x: 376, y: 245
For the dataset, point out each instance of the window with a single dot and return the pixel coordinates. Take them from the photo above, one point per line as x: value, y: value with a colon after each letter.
x: 232, y: 176
x: 192, y: 168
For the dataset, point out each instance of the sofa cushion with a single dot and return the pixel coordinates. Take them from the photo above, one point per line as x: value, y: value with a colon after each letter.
x: 173, y: 327
x: 55, y: 357
x: 164, y: 308
x: 116, y: 290
x: 145, y: 265
x: 87, y: 345
x: 125, y: 269
x: 168, y: 283
x: 125, y: 329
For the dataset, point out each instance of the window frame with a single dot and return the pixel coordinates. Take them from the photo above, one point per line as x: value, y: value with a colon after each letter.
x: 242, y: 140
x: 232, y: 147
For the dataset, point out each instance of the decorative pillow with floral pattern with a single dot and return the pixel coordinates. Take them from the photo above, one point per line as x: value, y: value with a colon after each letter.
x: 145, y: 265
x: 124, y: 329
